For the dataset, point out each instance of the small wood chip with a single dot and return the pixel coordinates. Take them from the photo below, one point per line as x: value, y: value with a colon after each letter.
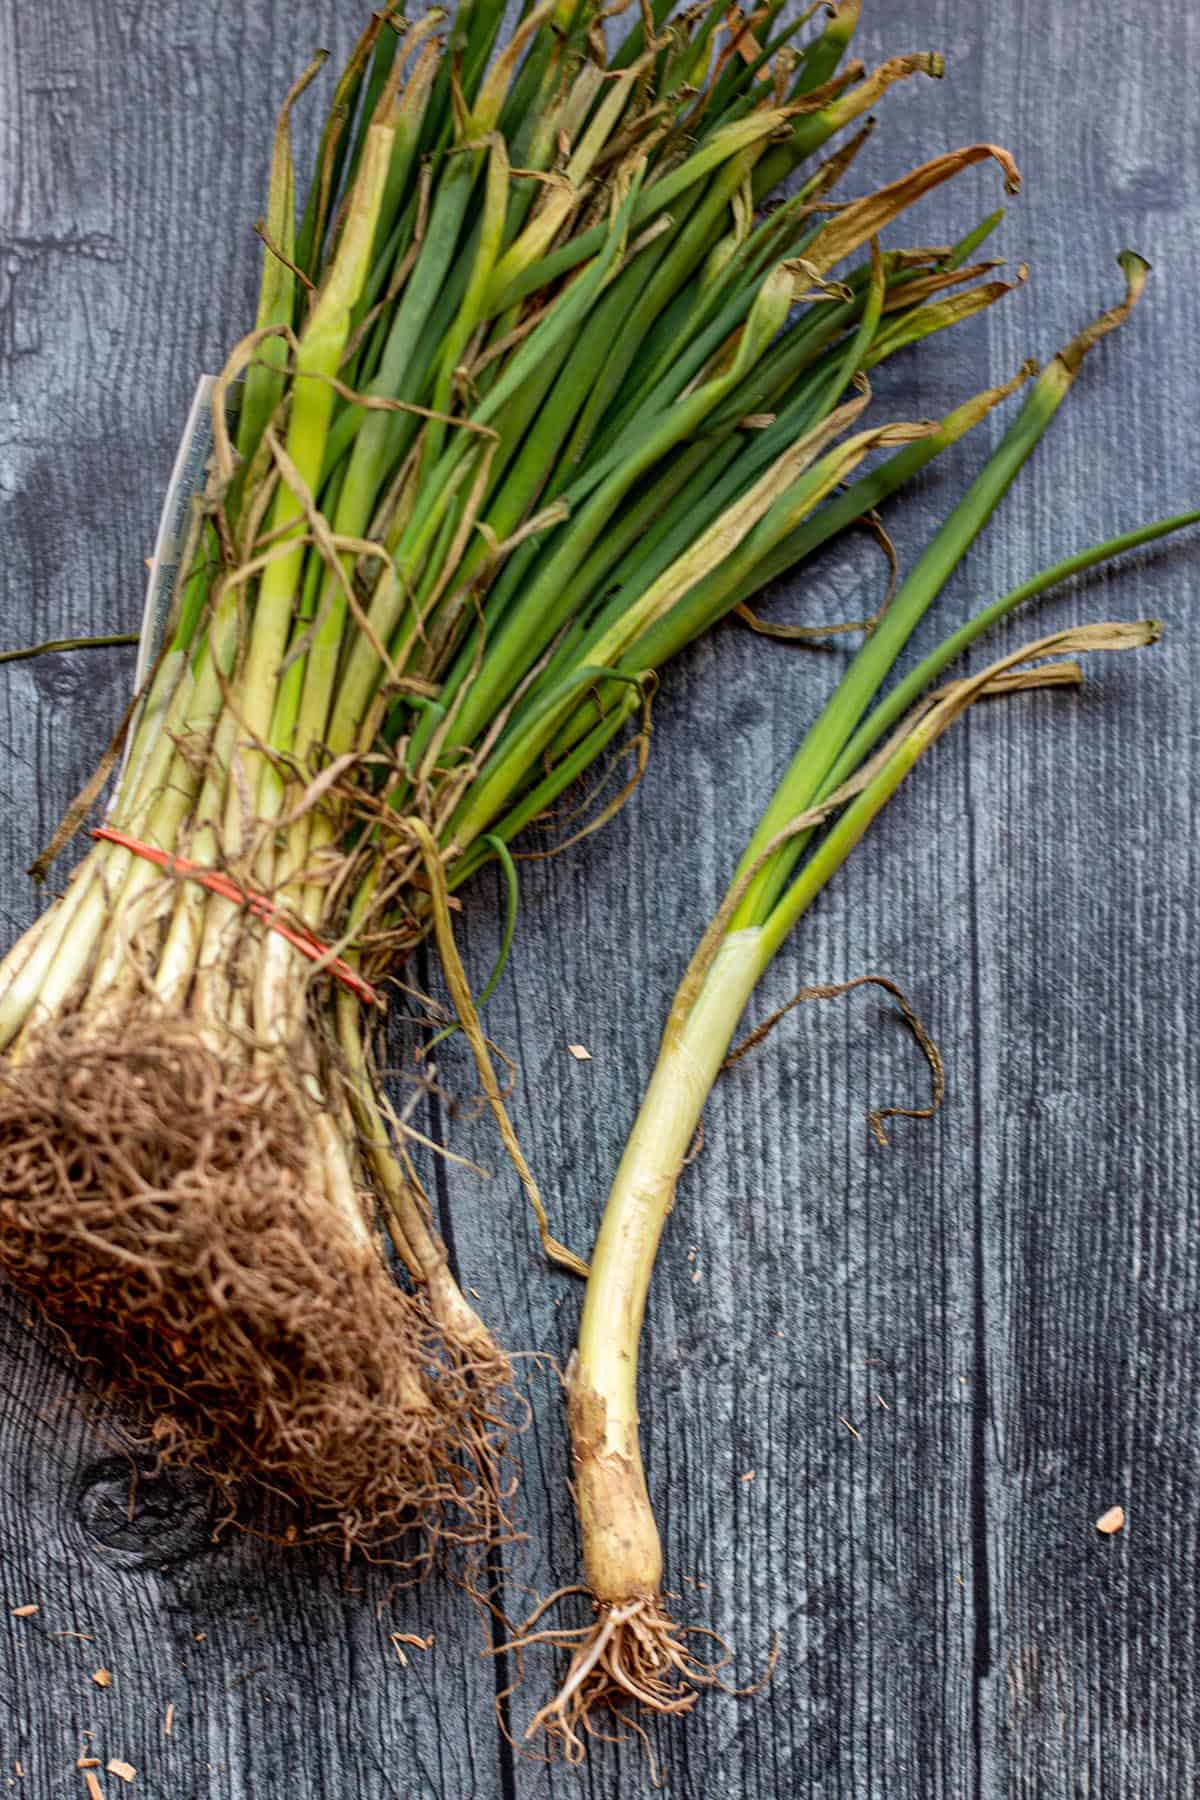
x: 1112, y: 1521
x: 579, y: 1053
x: 24, y: 1612
x: 409, y: 1637
x: 749, y: 1475
x: 88, y: 1762
x: 95, y: 1791
x: 102, y: 1678
x: 170, y: 1718
x: 849, y: 1427
x: 18, y: 1771
x: 124, y: 1770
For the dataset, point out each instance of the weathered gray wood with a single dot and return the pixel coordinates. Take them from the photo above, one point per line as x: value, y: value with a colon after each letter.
x: 1016, y: 1282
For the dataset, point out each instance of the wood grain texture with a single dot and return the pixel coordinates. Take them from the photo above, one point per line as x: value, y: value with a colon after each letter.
x: 1002, y: 1305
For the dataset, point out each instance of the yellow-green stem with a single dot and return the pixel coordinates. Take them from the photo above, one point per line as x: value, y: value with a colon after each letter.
x: 622, y: 1554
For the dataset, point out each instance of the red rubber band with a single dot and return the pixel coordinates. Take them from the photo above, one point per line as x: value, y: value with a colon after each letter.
x: 298, y: 936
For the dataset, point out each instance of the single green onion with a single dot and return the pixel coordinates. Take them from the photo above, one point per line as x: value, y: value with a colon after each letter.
x: 630, y: 1653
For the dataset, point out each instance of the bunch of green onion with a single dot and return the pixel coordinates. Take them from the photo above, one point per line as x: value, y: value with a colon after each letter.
x: 545, y: 380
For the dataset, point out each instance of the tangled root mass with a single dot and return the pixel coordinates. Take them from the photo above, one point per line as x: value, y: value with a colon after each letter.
x: 629, y: 1664
x: 158, y: 1204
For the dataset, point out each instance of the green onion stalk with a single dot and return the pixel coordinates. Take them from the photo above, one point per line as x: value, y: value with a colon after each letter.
x: 564, y: 355
x: 630, y: 1657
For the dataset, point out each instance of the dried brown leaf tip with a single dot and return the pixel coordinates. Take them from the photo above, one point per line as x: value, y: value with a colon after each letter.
x: 24, y: 1612
x: 102, y: 1678
x: 579, y: 1052
x: 1112, y: 1521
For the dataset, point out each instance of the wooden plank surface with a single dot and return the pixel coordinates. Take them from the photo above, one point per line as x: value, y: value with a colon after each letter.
x: 1001, y: 1305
